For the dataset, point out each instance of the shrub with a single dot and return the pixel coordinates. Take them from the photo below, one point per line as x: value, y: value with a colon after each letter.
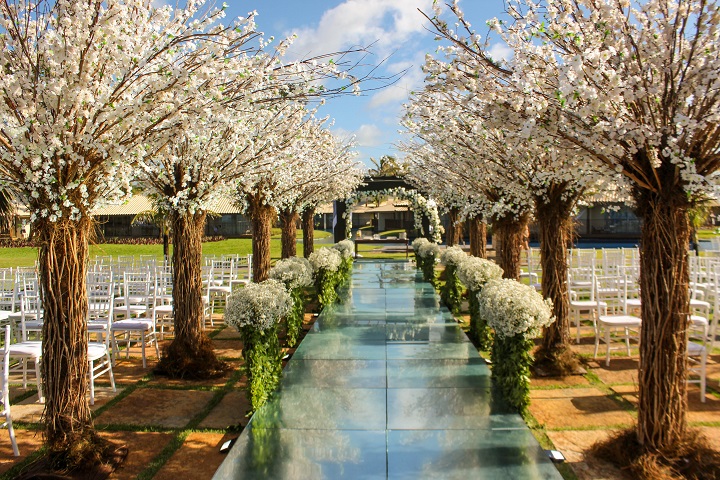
x: 452, y: 290
x: 255, y: 311
x: 474, y: 273
x: 517, y: 313
x: 296, y: 273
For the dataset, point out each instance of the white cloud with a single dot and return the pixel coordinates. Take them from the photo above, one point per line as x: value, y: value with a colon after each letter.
x: 501, y: 52
x: 367, y: 136
x: 360, y: 23
x: 400, y: 92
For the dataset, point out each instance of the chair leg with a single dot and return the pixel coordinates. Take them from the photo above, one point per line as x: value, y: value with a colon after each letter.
x: 110, y: 371
x: 143, y: 349
x: 38, y: 379
x: 607, y: 345
x: 11, y: 430
x: 92, y: 383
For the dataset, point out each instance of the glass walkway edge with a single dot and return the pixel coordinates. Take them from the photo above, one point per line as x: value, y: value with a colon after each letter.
x: 386, y: 385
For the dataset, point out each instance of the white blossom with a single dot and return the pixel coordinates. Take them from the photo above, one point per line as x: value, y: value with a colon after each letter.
x: 259, y: 305
x: 475, y: 272
x: 512, y: 308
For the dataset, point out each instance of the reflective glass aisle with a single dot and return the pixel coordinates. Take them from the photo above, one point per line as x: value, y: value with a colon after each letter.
x: 386, y: 385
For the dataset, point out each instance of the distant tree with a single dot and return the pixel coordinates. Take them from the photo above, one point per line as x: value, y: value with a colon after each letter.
x: 387, y: 166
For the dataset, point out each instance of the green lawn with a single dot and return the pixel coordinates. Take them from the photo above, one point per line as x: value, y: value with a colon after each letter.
x: 23, y: 257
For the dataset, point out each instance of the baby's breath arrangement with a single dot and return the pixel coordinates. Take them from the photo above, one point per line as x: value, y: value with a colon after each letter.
x: 474, y: 273
x: 255, y: 311
x: 297, y: 274
x: 517, y: 313
x: 326, y: 264
x: 416, y: 244
x: 429, y: 252
x: 452, y: 290
x: 347, y: 251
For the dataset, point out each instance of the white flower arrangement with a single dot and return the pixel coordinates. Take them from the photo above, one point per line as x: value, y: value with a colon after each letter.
x: 418, y: 242
x: 475, y: 272
x: 512, y: 308
x: 260, y: 305
x: 327, y: 259
x: 345, y: 247
x: 294, y: 272
x: 453, y: 256
x: 429, y: 250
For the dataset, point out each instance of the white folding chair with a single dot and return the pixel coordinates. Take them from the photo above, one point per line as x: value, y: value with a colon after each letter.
x: 5, y: 392
x: 612, y: 316
x: 582, y: 296
x: 135, y: 308
x: 697, y: 366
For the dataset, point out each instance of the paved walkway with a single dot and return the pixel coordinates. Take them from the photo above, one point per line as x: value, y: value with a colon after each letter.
x: 386, y: 385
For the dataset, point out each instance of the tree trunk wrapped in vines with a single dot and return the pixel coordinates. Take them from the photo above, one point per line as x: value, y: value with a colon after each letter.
x: 262, y: 217
x: 664, y: 278
x: 288, y: 224
x: 62, y: 259
x: 455, y: 228
x: 510, y: 231
x: 308, y: 228
x: 554, y: 217
x: 191, y: 354
x: 478, y: 237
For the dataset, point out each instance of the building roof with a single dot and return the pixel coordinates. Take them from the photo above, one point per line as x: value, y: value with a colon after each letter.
x: 141, y: 203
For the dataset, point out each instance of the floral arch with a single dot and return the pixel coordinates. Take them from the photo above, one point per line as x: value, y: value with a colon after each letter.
x: 426, y: 207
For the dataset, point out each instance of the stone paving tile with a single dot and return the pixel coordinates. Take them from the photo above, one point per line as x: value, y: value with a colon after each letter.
x: 713, y: 436
x: 143, y: 447
x: 621, y: 370
x: 569, y: 381
x: 573, y: 444
x: 227, y: 333
x: 227, y: 348
x: 580, y: 407
x: 231, y: 411
x: 151, y: 406
x: 130, y: 371
x: 28, y: 442
x: 203, y: 449
x: 708, y: 411
x: 213, y: 382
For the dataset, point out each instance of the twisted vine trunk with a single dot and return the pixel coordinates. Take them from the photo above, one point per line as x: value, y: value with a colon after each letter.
x: 261, y: 219
x: 190, y: 355
x: 554, y: 217
x: 308, y: 228
x: 478, y: 237
x: 62, y: 260
x: 510, y: 232
x: 288, y: 225
x: 664, y: 277
x: 454, y: 231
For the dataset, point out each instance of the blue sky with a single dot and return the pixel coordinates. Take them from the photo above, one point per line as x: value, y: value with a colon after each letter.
x: 396, y: 28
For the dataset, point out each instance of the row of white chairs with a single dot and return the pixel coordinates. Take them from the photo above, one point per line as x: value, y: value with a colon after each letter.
x: 612, y: 303
x: 123, y: 307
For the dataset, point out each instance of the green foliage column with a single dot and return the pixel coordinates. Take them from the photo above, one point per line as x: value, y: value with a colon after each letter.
x: 452, y: 290
x: 474, y: 273
x: 326, y: 264
x: 517, y: 313
x: 256, y: 311
x: 480, y: 331
x: 296, y: 274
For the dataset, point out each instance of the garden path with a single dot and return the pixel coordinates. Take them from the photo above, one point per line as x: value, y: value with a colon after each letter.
x: 386, y: 385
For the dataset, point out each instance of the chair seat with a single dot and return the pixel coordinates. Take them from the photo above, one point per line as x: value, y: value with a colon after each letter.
x: 132, y: 324
x: 96, y: 350
x: 633, y: 302
x: 32, y: 348
x: 587, y: 304
x: 699, y: 320
x: 164, y: 309
x: 695, y: 303
x: 620, y: 320
x: 5, y: 314
x: 695, y: 349
x: 220, y: 289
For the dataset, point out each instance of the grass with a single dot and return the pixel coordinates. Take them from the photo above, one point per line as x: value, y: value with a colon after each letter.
x: 26, y: 256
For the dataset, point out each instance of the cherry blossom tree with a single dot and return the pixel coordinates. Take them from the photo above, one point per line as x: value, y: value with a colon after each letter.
x: 633, y: 84
x: 85, y: 84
